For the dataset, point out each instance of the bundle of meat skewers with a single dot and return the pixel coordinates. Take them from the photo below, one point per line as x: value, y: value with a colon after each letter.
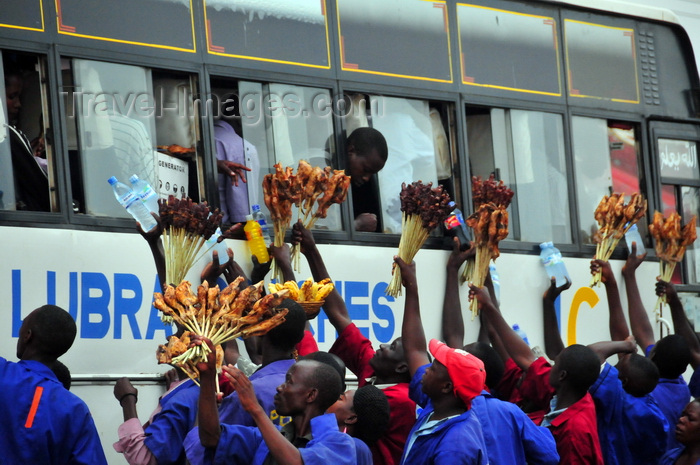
x: 490, y: 224
x: 186, y: 227
x: 310, y: 186
x: 423, y: 209
x: 614, y: 219
x: 236, y: 311
x: 670, y: 242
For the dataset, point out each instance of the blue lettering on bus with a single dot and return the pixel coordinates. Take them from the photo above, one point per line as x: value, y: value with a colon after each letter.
x: 98, y: 306
x: 90, y: 304
x: 126, y: 306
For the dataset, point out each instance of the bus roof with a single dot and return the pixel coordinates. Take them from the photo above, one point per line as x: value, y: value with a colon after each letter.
x: 626, y: 8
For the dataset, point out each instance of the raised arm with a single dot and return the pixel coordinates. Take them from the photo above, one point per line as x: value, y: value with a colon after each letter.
x: 553, y: 344
x: 617, y: 323
x: 152, y: 237
x: 639, y: 320
x: 605, y: 349
x: 518, y: 349
x: 283, y: 260
x: 681, y: 324
x: 334, y: 306
x: 452, y: 320
x: 283, y: 451
x: 415, y: 347
x: 208, y: 412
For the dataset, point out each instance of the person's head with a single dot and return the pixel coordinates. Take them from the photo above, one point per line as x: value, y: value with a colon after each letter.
x: 330, y: 359
x: 363, y: 413
x: 638, y: 374
x: 229, y: 111
x: 453, y: 373
x: 47, y: 332
x: 308, y: 385
x: 14, y: 83
x: 62, y: 374
x: 671, y: 355
x: 688, y: 426
x: 367, y: 154
x: 291, y: 332
x: 577, y: 367
x: 389, y: 362
x: 493, y: 363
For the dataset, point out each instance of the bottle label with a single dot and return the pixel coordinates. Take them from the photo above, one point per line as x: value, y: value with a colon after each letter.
x: 551, y: 260
x: 453, y: 221
x: 128, y: 198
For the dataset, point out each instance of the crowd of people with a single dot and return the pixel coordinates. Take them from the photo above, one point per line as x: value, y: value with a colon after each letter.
x: 492, y: 401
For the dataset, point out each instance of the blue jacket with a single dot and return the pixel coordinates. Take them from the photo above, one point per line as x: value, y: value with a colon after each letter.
x: 245, y: 446
x: 510, y: 436
x: 166, y: 433
x: 632, y: 430
x: 43, y: 423
x: 671, y: 395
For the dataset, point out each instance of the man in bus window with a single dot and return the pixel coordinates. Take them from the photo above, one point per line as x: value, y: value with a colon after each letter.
x: 31, y: 181
x: 367, y: 153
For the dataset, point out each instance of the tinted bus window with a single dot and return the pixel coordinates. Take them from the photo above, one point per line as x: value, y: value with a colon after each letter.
x: 282, y: 32
x: 119, y: 126
x: 526, y: 150
x: 407, y: 38
x: 601, y: 61
x: 158, y: 23
x: 606, y: 160
x: 525, y: 46
x: 27, y: 169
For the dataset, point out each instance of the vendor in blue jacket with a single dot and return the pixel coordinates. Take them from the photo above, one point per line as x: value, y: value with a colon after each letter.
x: 311, y: 438
x: 447, y: 431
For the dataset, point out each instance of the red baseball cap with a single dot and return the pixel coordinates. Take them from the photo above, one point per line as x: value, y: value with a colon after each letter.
x: 467, y: 372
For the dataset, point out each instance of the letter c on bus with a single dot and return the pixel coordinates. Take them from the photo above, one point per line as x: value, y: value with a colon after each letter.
x: 584, y: 294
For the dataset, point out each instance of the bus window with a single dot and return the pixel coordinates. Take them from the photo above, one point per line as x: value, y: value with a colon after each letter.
x: 419, y: 150
x: 678, y: 166
x: 606, y: 160
x: 27, y: 176
x: 526, y: 150
x: 116, y: 120
x: 280, y: 123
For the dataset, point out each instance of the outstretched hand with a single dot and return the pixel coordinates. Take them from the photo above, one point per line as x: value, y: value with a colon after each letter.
x: 553, y: 291
x: 302, y: 237
x: 208, y: 367
x: 481, y: 294
x: 154, y: 234
x: 408, y: 273
x: 459, y: 256
x: 233, y: 170
x: 633, y: 261
x: 214, y: 269
x: 602, y: 267
x: 667, y: 289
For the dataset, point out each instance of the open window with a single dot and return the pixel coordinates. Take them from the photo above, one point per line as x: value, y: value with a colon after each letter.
x: 524, y: 149
x: 606, y: 160
x: 124, y: 120
x: 27, y: 165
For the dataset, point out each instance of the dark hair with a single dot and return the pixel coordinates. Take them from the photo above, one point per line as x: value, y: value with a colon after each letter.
x: 372, y: 409
x: 671, y: 356
x: 330, y: 359
x: 62, y: 373
x: 291, y: 332
x: 582, y: 366
x: 365, y: 140
x: 642, y: 375
x: 493, y: 364
x: 326, y: 380
x: 53, y: 330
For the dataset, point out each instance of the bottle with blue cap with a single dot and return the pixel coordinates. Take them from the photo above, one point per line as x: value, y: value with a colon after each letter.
x: 553, y: 264
x: 133, y: 204
x: 632, y: 235
x: 496, y: 281
x: 145, y: 192
x: 521, y: 333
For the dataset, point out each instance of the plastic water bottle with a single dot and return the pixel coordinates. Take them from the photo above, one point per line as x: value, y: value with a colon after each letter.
x: 146, y: 193
x: 256, y: 243
x: 220, y: 247
x: 553, y: 263
x: 521, y: 333
x: 456, y: 226
x: 632, y: 235
x: 496, y: 282
x: 133, y: 204
x: 259, y: 216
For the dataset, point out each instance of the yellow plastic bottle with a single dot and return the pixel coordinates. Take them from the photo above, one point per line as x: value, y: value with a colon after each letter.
x: 256, y: 242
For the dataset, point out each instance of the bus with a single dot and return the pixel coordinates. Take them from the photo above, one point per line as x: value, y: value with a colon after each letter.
x: 565, y: 101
